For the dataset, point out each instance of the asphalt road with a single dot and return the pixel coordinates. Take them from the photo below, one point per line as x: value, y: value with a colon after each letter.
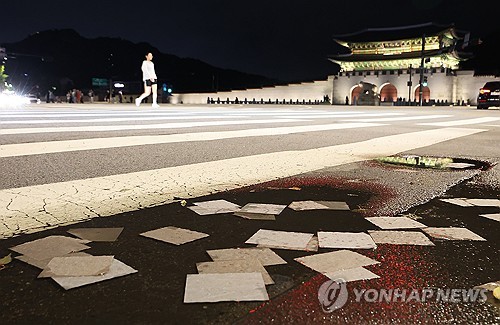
x: 274, y: 154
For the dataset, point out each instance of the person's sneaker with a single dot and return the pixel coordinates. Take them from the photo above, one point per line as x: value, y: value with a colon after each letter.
x: 137, y: 102
x: 155, y: 105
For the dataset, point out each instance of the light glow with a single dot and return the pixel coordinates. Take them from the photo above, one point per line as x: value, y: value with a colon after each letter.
x: 10, y: 99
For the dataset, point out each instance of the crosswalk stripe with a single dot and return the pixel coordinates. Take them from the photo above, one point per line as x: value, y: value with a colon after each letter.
x: 478, y: 120
x: 34, y: 148
x: 92, y: 114
x: 198, y: 117
x: 34, y: 208
x: 140, y: 112
x: 119, y: 119
x: 104, y: 128
x: 403, y: 118
x: 339, y: 116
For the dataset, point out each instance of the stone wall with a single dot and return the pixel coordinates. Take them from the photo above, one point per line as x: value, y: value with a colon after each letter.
x: 468, y: 86
x: 452, y: 87
x: 306, y: 91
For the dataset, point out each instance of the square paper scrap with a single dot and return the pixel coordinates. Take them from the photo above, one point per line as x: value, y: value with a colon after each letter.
x: 355, y: 274
x: 117, y: 269
x: 492, y: 216
x: 51, y: 246
x: 395, y: 222
x: 235, y: 266
x: 97, y: 234
x: 255, y: 216
x: 265, y: 255
x: 335, y: 205
x: 77, y: 266
x: 42, y: 264
x: 335, y: 261
x: 263, y: 208
x: 453, y: 233
x: 225, y: 287
x: 280, y: 239
x: 306, y: 205
x: 214, y: 207
x: 174, y: 235
x: 400, y: 237
x: 457, y: 201
x: 353, y: 240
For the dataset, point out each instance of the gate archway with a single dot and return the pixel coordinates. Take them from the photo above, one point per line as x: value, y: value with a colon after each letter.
x: 426, y: 94
x: 355, y: 94
x: 388, y: 93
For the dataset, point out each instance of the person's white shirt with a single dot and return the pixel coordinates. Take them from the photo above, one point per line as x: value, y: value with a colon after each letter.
x: 148, y: 70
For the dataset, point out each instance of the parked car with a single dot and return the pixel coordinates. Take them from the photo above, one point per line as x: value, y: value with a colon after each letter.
x: 489, y: 95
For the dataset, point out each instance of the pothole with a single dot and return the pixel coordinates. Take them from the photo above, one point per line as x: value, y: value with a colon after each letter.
x: 435, y: 162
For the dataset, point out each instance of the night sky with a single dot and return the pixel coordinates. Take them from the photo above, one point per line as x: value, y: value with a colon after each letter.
x: 285, y: 39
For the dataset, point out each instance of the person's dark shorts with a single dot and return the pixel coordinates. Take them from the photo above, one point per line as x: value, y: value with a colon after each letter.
x: 149, y: 83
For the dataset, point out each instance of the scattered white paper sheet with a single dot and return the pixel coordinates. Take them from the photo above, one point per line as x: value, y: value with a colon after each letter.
x: 174, y: 235
x: 466, y: 202
x: 42, y: 264
x: 484, y: 202
x: 225, y: 287
x: 280, y: 239
x: 395, y: 222
x: 328, y: 263
x: 97, y: 234
x: 265, y: 255
x: 263, y: 208
x: 353, y: 240
x: 235, y: 266
x: 452, y: 233
x: 214, y: 207
x: 459, y: 202
x: 492, y: 216
x: 49, y: 247
x: 202, y: 211
x: 354, y: 274
x: 400, y: 237
x: 77, y: 266
x: 255, y: 216
x: 307, y: 205
x: 117, y: 269
x: 335, y: 205
x: 312, y: 245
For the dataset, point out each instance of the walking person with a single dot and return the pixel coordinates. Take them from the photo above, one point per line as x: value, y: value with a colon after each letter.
x: 150, y: 81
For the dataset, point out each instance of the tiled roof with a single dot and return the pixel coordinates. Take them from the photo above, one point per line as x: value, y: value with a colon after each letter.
x: 381, y: 57
x: 397, y: 33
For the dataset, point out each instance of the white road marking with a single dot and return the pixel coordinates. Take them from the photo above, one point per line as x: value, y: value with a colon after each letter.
x: 104, y: 128
x: 90, y: 114
x: 307, y: 116
x: 34, y: 208
x: 478, y: 120
x: 34, y: 148
x: 120, y: 119
x: 140, y: 112
x: 403, y: 118
x: 189, y: 117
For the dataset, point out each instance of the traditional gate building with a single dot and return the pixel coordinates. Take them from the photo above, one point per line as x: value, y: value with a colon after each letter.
x: 392, y: 60
x: 389, y: 58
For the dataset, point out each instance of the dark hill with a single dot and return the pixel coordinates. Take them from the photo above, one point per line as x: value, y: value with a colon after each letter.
x: 64, y: 59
